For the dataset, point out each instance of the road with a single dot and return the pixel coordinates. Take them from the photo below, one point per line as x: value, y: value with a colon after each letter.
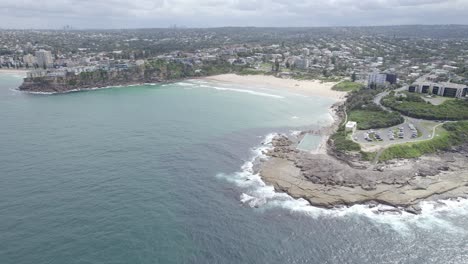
x: 379, y: 97
x: 426, y: 128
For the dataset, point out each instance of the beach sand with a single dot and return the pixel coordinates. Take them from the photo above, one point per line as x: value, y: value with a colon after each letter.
x: 13, y: 71
x: 305, y: 87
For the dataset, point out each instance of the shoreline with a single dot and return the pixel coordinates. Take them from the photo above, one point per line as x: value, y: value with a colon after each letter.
x: 303, y: 87
x: 326, y: 181
x: 14, y: 71
x: 254, y: 82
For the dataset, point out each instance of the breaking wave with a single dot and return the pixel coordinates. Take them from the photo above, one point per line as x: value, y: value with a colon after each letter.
x: 242, y: 91
x: 257, y: 194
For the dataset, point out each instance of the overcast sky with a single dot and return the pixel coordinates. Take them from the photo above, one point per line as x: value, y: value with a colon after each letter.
x: 216, y: 13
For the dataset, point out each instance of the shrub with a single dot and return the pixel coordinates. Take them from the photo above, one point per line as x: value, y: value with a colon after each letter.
x: 342, y: 143
x: 415, y: 106
x: 375, y: 118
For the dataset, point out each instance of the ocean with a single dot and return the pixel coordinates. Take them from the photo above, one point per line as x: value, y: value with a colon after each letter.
x: 163, y: 174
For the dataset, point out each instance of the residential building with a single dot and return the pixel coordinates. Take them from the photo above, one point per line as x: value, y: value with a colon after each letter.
x: 29, y: 60
x: 442, y: 89
x: 302, y: 63
x: 377, y: 78
x: 44, y: 58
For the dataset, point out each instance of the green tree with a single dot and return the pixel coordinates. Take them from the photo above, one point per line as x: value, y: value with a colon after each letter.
x: 277, y: 65
x: 325, y: 73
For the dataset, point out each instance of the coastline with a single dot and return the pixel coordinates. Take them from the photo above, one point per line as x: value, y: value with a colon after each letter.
x: 15, y: 71
x: 326, y: 181
x: 303, y: 87
x: 323, y: 179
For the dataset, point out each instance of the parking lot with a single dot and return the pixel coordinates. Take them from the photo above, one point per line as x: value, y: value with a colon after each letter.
x: 410, y: 130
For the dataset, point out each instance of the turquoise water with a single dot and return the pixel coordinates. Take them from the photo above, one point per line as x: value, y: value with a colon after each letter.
x: 161, y: 174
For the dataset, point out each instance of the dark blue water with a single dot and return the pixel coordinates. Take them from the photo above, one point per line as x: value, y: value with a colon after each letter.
x: 152, y: 174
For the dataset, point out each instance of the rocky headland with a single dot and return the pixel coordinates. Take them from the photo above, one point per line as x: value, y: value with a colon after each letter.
x: 327, y: 181
x: 90, y: 80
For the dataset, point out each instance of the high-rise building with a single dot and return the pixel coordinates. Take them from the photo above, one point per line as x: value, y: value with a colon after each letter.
x: 29, y: 60
x: 377, y: 78
x: 44, y: 58
x: 391, y: 78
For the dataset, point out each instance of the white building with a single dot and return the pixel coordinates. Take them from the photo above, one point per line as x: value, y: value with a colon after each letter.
x: 442, y: 89
x: 44, y: 58
x: 37, y: 73
x: 351, y: 126
x: 377, y: 78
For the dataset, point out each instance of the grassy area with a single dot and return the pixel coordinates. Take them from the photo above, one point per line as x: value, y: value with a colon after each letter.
x: 247, y: 71
x: 449, y: 135
x: 368, y: 156
x: 342, y: 142
x: 347, y: 86
x: 374, y: 118
x: 414, y: 106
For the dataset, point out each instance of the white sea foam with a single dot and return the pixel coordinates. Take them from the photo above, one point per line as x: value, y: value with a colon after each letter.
x: 242, y: 91
x: 15, y: 90
x: 257, y: 194
x: 199, y: 81
x: 295, y: 133
x: 185, y: 84
x: 44, y: 93
x: 79, y: 90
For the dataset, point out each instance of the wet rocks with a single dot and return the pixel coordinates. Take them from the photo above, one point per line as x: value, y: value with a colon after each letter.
x: 413, y: 209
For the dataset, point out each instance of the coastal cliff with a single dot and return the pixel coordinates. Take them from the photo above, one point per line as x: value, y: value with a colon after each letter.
x: 151, y: 72
x: 85, y: 80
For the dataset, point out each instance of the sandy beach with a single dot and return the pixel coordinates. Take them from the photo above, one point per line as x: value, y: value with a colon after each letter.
x: 305, y: 87
x: 13, y: 71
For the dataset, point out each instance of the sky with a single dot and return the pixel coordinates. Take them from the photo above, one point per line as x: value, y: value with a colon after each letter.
x: 82, y: 14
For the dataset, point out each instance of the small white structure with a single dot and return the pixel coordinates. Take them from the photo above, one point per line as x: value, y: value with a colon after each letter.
x: 351, y: 126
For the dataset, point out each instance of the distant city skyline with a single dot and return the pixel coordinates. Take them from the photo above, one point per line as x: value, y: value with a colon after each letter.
x: 111, y: 14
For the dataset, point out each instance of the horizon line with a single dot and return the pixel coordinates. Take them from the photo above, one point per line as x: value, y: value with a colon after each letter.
x: 220, y: 27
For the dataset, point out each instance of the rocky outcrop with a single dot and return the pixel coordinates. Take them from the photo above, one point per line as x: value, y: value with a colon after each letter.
x: 96, y: 79
x: 326, y: 181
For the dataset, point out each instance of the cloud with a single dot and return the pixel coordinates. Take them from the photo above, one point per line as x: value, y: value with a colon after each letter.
x: 209, y: 13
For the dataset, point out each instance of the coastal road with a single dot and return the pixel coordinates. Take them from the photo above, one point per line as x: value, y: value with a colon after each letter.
x: 379, y: 97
